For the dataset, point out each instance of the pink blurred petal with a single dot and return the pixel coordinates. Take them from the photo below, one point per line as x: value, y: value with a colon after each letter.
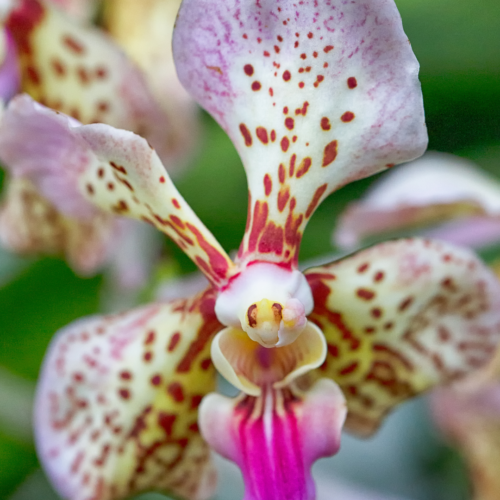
x: 433, y: 189
x: 9, y: 69
x: 313, y: 95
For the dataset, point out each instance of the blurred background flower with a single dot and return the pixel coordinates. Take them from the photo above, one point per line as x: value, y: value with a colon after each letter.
x: 458, y: 45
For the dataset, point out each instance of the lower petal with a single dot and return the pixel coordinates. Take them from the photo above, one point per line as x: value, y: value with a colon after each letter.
x: 275, y: 438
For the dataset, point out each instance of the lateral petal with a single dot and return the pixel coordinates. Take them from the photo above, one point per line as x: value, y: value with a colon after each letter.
x: 431, y: 190
x: 402, y: 317
x: 82, y: 168
x: 10, y: 78
x: 276, y: 437
x: 117, y: 403
x: 313, y: 95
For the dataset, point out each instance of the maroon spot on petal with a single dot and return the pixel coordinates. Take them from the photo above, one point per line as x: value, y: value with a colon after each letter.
x: 285, y: 110
x: 162, y: 179
x: 273, y: 135
x: 283, y: 197
x: 266, y: 53
x: 256, y: 86
x: 303, y: 56
x: 74, y: 45
x: 246, y: 134
x: 101, y: 73
x: 363, y: 268
x: 156, y: 380
x: 328, y: 48
x: 315, y: 54
x: 272, y: 239
x: 176, y: 337
x: 166, y: 421
x: 352, y: 82
x: 376, y: 312
x: 379, y: 276
x: 58, y: 67
x: 314, y: 202
x: 206, y: 364
x: 289, y: 123
x: 261, y: 133
x: 280, y: 38
x: 281, y: 173
x: 285, y: 144
x: 124, y: 393
x: 349, y: 368
x: 176, y: 391
x: 103, y: 106
x: 268, y: 184
x: 348, y: 116
x: 175, y: 203
x: 287, y: 76
x: 406, y: 303
x: 148, y: 356
x: 248, y: 69
x: 301, y: 85
x: 276, y: 49
x: 33, y: 75
x: 310, y: 35
x: 365, y: 294
x: 330, y: 153
x: 296, y: 44
x: 325, y: 123
x: 292, y: 165
x: 304, y: 167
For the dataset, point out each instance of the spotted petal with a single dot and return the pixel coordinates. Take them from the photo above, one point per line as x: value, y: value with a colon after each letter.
x: 116, y: 408
x: 78, y: 70
x: 433, y: 189
x: 400, y: 318
x: 31, y: 225
x: 313, y: 94
x: 79, y: 168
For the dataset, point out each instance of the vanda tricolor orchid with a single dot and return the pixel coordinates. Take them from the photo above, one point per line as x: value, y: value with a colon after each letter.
x: 77, y: 69
x: 314, y: 95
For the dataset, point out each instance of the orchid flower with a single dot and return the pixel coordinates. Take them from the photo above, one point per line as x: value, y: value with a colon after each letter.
x: 437, y: 189
x: 314, y: 96
x: 74, y: 68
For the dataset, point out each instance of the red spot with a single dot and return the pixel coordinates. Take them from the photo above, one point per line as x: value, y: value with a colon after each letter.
x: 301, y: 85
x: 148, y: 356
x: 315, y: 54
x: 162, y: 180
x: 349, y: 368
x: 330, y: 153
x: 363, y: 268
x: 276, y: 49
x: 283, y: 197
x: 285, y: 110
x: 292, y: 165
x: 289, y: 123
x: 58, y: 67
x: 176, y: 337
x: 260, y: 214
x: 285, y: 144
x: 206, y: 364
x: 176, y: 391
x: 261, y: 133
x: 304, y: 166
x: 352, y: 82
x: 166, y: 422
x: 246, y: 134
x: 296, y: 44
x: 325, y: 123
x: 266, y: 53
x: 281, y: 173
x: 405, y: 304
x: 272, y: 239
x: 256, y: 86
x: 74, y: 45
x: 271, y: 93
x: 365, y: 294
x: 348, y: 116
x: 328, y: 48
x: 379, y: 276
x: 303, y: 56
x: 280, y: 38
x: 101, y: 73
x: 376, y: 312
x: 319, y: 79
x: 117, y: 167
x: 273, y: 135
x: 150, y: 338
x: 33, y: 75
x: 248, y: 69
x: 124, y: 393
x: 245, y: 36
x: 268, y: 184
x: 287, y: 76
x: 103, y: 106
x: 156, y: 380
x: 302, y: 111
x: 175, y: 203
x: 314, y: 202
x: 110, y: 186
x: 83, y: 75
x: 310, y: 35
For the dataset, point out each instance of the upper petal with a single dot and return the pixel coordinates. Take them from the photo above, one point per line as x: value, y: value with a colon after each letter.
x: 314, y: 95
x: 428, y: 191
x: 78, y: 70
x: 116, y: 408
x: 402, y: 317
x: 82, y: 167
